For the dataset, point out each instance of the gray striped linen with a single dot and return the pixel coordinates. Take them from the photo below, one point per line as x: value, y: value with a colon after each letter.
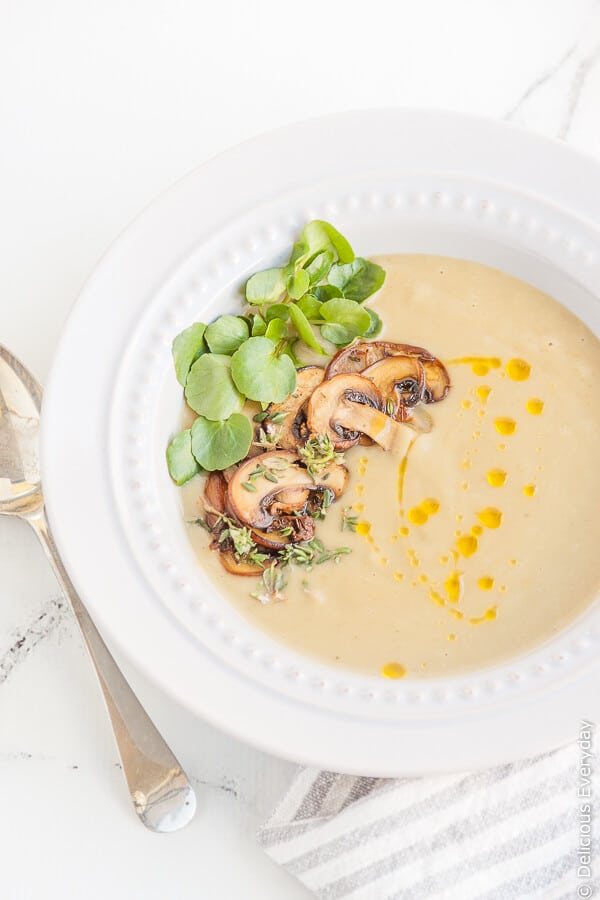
x: 508, y: 833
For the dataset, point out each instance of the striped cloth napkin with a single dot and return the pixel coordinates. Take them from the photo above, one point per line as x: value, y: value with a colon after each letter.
x: 509, y: 833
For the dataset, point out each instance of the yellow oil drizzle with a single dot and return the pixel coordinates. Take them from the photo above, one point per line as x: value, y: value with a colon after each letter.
x: 505, y: 426
x: 490, y: 517
x: 413, y: 559
x: 360, y: 489
x: 476, y: 530
x: 451, y: 636
x: 363, y: 528
x: 454, y: 587
x: 393, y: 670
x: 534, y: 406
x: 480, y: 365
x: 518, y: 369
x: 467, y: 545
x: 399, y: 576
x: 358, y: 507
x: 403, y: 531
x: 437, y: 598
x: 483, y: 392
x: 488, y: 616
x: 466, y: 403
x: 496, y: 477
x: 529, y: 490
x: 402, y: 475
x: 485, y: 583
x: 363, y: 463
x: 418, y: 515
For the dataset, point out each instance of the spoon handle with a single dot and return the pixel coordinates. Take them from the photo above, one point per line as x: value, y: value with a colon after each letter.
x: 161, y: 793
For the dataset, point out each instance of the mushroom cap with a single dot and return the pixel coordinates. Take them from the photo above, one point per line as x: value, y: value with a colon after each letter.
x: 215, y: 497
x: 253, y: 507
x: 333, y: 393
x: 239, y: 566
x: 400, y: 379
x: 291, y: 429
x: 363, y: 354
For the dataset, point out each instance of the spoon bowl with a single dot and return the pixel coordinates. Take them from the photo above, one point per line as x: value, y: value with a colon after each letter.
x: 160, y: 791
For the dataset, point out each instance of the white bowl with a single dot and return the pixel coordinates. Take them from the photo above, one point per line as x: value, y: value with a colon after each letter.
x: 393, y: 181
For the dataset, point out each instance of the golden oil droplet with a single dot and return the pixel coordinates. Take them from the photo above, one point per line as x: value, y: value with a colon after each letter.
x: 501, y: 446
x: 430, y: 506
x: 518, y: 369
x: 465, y: 486
x: 481, y: 414
x: 534, y: 406
x: 451, y: 637
x: 358, y: 507
x: 465, y: 464
x: 488, y: 616
x: 453, y: 587
x: 529, y: 490
x: 496, y: 477
x: 485, y: 583
x: 456, y: 613
x: 505, y: 425
x: 483, y: 392
x: 364, y: 460
x: 466, y: 404
x: 398, y: 576
x: 393, y: 670
x: 360, y: 489
x: 467, y: 545
x: 414, y: 559
x: 417, y: 516
x: 423, y: 578
x: 480, y: 365
x: 459, y: 517
x: 513, y: 562
x: 476, y: 530
x: 502, y: 588
x: 490, y: 517
x: 363, y: 528
x: 444, y: 560
x: 437, y: 599
x: 383, y: 560
x: 393, y: 537
x: 404, y: 531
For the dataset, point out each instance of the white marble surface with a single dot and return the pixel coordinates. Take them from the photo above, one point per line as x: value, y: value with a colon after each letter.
x: 102, y: 105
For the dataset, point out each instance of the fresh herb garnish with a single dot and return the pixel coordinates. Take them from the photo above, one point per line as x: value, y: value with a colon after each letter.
x: 310, y: 553
x: 318, y: 453
x: 349, y: 522
x: 254, y: 356
x: 244, y: 547
x: 271, y: 585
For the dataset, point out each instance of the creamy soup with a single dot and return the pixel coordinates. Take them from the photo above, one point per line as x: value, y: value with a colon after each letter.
x: 482, y: 541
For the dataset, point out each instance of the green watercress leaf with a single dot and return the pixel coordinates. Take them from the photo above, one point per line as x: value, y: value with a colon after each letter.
x: 290, y: 350
x: 259, y: 326
x: 375, y: 326
x: 358, y: 279
x: 347, y: 313
x: 276, y: 331
x: 218, y: 445
x: 319, y: 236
x: 310, y: 306
x: 186, y: 349
x: 266, y: 286
x: 338, y: 334
x: 210, y: 390
x: 180, y: 459
x: 277, y: 311
x: 304, y: 329
x: 226, y: 334
x: 326, y: 292
x: 260, y: 373
x: 298, y: 284
x: 320, y: 266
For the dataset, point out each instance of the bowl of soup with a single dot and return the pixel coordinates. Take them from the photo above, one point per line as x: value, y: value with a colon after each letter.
x: 432, y: 603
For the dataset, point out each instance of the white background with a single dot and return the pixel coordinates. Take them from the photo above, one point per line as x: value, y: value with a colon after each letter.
x: 102, y: 105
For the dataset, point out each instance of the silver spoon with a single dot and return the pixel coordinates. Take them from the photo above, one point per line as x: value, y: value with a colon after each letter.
x: 161, y: 793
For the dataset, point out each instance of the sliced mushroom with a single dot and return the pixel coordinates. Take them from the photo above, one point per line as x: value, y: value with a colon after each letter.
x: 251, y: 500
x: 215, y: 497
x: 346, y: 406
x: 302, y: 529
x: 239, y: 566
x: 292, y: 431
x: 401, y: 380
x: 363, y: 354
x: 437, y: 381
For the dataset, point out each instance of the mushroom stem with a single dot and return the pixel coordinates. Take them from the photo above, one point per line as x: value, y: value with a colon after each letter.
x: 385, y: 431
